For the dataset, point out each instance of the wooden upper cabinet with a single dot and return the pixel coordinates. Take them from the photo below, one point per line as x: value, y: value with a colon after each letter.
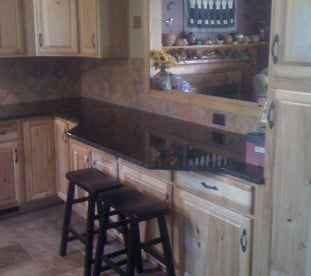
x: 290, y: 57
x: 11, y: 33
x: 56, y: 27
x: 103, y: 28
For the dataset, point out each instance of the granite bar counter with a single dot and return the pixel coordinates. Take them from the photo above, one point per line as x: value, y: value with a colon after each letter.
x: 146, y: 139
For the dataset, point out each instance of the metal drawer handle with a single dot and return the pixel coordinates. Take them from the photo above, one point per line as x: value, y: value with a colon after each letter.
x: 208, y: 186
x: 275, y: 43
x: 243, y: 240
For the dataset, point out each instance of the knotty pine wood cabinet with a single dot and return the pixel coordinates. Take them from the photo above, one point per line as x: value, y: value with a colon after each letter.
x: 10, y: 185
x: 39, y: 157
x: 290, y: 61
x: 291, y: 179
x: 156, y: 184
x: 83, y: 156
x: 288, y: 161
x: 56, y: 27
x: 11, y: 31
x: 61, y: 126
x: 212, y: 225
x: 103, y: 28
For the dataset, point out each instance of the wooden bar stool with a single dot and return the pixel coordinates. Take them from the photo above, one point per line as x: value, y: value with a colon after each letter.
x: 94, y: 182
x: 136, y: 207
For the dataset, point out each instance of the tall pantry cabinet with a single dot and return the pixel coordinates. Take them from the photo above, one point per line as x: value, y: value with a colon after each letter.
x: 288, y: 163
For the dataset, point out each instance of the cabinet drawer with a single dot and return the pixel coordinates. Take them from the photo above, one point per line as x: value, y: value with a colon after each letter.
x: 8, y: 131
x: 223, y: 190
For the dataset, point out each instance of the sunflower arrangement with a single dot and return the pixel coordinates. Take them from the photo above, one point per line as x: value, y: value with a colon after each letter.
x: 161, y: 59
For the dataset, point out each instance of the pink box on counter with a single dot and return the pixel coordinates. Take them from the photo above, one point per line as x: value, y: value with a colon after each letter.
x: 255, y: 149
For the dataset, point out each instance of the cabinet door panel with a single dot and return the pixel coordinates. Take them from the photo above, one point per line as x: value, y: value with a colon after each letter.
x: 9, y: 175
x: 39, y: 158
x: 104, y: 162
x: 56, y: 26
x: 291, y: 224
x: 154, y: 187
x: 209, y: 239
x: 291, y: 49
x: 11, y: 36
x: 88, y: 32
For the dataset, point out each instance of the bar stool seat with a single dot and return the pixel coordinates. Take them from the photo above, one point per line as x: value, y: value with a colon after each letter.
x: 136, y: 207
x: 94, y: 182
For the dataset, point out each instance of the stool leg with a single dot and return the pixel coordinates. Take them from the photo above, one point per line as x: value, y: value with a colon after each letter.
x: 166, y: 246
x: 139, y: 262
x: 67, y: 219
x: 89, y: 236
x: 102, y: 236
x: 132, y: 248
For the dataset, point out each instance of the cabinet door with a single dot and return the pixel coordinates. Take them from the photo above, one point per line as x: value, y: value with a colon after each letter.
x: 209, y: 239
x: 290, y: 41
x: 80, y: 158
x: 9, y: 175
x: 104, y: 162
x: 291, y: 223
x: 153, y: 186
x: 11, y: 35
x: 61, y: 155
x: 39, y: 158
x: 56, y: 27
x: 88, y: 27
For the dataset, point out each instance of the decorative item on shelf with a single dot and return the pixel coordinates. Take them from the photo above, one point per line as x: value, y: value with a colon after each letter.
x: 161, y: 60
x: 228, y: 39
x: 191, y: 39
x: 179, y: 83
x: 168, y: 39
x: 239, y: 38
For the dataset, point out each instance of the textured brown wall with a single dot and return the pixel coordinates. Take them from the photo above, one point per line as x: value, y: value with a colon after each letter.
x: 40, y: 78
x: 121, y: 82
x: 118, y: 81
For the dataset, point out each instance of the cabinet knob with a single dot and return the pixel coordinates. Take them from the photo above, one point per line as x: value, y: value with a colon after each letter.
x: 40, y: 40
x: 243, y: 240
x: 93, y: 40
x: 270, y: 121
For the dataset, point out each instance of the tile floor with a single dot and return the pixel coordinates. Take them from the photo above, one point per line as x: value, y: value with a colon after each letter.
x: 29, y: 245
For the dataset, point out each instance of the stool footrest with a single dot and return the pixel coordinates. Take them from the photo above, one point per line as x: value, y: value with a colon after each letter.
x: 77, y: 235
x: 150, y: 243
x: 116, y: 253
x: 115, y: 265
x: 79, y: 200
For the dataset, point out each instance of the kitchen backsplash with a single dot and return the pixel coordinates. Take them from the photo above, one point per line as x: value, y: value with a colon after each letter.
x: 118, y: 81
x: 38, y: 78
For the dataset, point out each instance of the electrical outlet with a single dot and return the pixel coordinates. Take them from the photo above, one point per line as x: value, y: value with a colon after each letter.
x: 219, y: 119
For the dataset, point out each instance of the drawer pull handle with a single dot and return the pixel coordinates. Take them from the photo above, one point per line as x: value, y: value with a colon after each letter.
x: 208, y: 186
x: 243, y: 240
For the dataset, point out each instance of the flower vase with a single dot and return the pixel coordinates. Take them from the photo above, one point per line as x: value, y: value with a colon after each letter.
x: 161, y: 80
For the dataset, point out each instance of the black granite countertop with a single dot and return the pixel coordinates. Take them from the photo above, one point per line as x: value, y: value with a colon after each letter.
x: 149, y: 140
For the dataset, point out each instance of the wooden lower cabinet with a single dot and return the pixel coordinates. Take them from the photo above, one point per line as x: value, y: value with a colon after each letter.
x: 10, y: 194
x: 61, y: 126
x: 39, y: 158
x: 291, y: 179
x: 208, y: 238
x: 152, y: 183
x: 83, y: 156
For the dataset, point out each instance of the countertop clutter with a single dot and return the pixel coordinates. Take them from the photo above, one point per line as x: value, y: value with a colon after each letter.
x: 149, y: 140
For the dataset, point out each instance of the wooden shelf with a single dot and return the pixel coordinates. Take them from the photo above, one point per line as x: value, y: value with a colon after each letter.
x: 217, y: 47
